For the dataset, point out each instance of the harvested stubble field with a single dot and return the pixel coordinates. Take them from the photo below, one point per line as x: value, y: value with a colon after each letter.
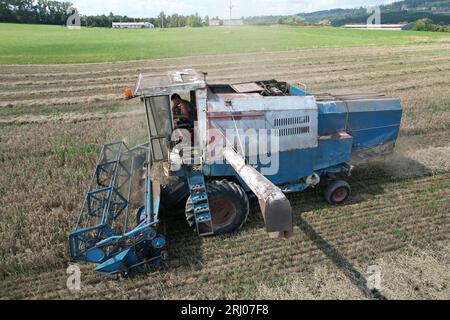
x: 54, y: 118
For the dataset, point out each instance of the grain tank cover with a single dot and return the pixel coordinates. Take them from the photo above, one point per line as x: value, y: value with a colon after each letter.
x: 166, y: 83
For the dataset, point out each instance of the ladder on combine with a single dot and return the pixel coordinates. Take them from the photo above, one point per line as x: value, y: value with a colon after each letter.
x: 200, y: 203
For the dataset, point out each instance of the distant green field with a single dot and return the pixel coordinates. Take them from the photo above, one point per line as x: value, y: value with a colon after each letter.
x: 39, y: 44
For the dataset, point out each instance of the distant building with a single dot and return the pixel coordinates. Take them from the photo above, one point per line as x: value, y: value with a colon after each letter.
x: 132, y: 25
x: 215, y: 22
x: 441, y: 11
x: 378, y: 26
x: 233, y: 22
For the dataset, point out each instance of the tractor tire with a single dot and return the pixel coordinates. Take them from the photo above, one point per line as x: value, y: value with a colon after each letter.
x: 174, y: 191
x: 338, y: 192
x: 229, y: 207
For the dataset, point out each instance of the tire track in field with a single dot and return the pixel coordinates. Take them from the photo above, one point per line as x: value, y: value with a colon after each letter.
x: 89, y: 97
x: 235, y: 64
x: 24, y: 87
x: 163, y: 285
x: 227, y: 67
x: 112, y: 92
x: 226, y: 58
x: 309, y: 253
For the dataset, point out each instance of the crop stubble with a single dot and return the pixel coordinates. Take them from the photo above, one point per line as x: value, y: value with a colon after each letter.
x: 54, y: 118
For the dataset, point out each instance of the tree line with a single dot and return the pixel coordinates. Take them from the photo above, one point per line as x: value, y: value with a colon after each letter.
x: 395, y: 17
x: 428, y: 25
x: 31, y: 11
x: 57, y: 13
x: 162, y: 21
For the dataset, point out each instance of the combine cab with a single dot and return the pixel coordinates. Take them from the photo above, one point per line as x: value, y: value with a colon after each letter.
x: 264, y: 138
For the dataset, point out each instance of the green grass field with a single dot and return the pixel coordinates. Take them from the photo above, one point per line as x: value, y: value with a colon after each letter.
x: 39, y: 44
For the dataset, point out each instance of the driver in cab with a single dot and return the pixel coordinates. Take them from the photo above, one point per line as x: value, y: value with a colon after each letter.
x: 184, y: 113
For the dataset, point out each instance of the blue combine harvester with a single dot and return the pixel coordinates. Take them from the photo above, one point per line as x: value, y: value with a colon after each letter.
x: 262, y: 139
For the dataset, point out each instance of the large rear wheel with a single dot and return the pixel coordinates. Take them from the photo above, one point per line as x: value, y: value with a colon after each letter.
x: 228, y: 204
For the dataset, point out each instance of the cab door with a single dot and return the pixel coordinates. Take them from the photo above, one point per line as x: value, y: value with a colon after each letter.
x: 160, y: 126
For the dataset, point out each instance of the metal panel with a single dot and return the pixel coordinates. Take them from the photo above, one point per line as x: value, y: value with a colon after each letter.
x: 294, y: 165
x: 247, y: 87
x: 296, y: 129
x: 371, y: 122
x: 282, y: 117
x: 157, y: 84
x: 292, y: 130
x: 249, y: 102
x: 333, y: 150
x: 201, y: 96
